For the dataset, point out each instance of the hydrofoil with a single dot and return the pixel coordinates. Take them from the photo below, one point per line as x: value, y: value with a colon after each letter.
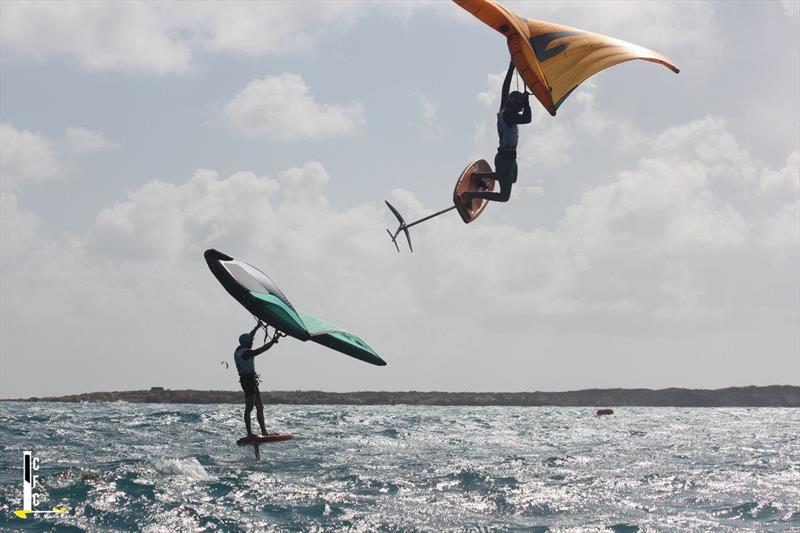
x: 473, y: 179
x: 258, y: 440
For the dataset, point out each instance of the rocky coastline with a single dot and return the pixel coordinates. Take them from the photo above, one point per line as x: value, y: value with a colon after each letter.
x: 768, y: 396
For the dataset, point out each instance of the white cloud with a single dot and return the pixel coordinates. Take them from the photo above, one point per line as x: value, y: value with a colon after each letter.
x: 785, y: 180
x: 26, y: 155
x: 782, y: 229
x: 653, y: 255
x: 270, y: 28
x: 781, y: 188
x: 160, y: 38
x: 29, y: 156
x: 548, y: 143
x: 163, y: 220
x: 18, y: 228
x: 281, y: 108
x: 129, y: 36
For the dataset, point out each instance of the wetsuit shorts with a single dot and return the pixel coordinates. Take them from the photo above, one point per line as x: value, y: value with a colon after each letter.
x: 505, y: 167
x: 249, y: 383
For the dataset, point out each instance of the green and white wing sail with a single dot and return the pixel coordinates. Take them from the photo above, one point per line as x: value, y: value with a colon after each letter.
x: 264, y: 299
x: 340, y: 340
x: 290, y: 319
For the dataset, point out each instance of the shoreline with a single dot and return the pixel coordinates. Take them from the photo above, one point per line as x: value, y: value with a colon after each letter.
x: 752, y: 396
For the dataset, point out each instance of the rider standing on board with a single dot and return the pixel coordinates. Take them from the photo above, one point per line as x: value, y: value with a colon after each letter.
x: 244, y: 357
x: 515, y: 109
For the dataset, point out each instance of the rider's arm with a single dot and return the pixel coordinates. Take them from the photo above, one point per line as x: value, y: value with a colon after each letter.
x: 506, y: 85
x: 267, y: 346
x: 525, y: 116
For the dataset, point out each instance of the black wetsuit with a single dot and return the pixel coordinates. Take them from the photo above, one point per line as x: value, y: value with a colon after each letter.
x: 505, y: 162
x: 245, y: 364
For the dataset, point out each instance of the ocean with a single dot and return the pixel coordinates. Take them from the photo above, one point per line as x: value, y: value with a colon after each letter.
x: 168, y: 467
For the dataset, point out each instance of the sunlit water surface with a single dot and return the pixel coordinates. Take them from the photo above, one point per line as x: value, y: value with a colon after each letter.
x: 129, y: 467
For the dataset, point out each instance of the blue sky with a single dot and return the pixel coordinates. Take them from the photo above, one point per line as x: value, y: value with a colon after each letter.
x: 652, y: 239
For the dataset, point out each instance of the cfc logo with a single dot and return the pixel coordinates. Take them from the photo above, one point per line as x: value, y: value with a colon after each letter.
x: 30, y: 499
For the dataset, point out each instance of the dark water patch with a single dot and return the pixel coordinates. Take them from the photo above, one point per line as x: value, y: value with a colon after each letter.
x: 471, y: 480
x: 71, y: 494
x: 539, y: 509
x: 135, y: 489
x: 624, y: 528
x: 205, y: 459
x: 556, y: 461
x: 480, y: 422
x: 501, y: 503
x: 71, y: 486
x: 753, y: 511
x: 314, y: 510
x: 219, y: 489
x: 279, y: 512
x: 40, y: 524
x: 216, y: 523
x: 32, y: 419
x: 390, y: 432
x: 508, y: 481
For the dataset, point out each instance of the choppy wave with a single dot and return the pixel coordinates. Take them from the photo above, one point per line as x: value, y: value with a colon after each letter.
x: 128, y: 467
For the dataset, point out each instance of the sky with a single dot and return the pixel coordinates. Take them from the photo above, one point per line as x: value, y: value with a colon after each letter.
x: 652, y: 239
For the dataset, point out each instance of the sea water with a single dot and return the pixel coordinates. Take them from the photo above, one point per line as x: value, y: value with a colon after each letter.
x: 132, y: 467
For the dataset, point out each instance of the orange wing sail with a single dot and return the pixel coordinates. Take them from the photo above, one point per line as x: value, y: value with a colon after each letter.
x: 553, y: 59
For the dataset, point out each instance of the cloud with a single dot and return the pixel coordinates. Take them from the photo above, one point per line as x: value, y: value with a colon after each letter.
x: 161, y: 38
x: 164, y: 37
x: 26, y: 155
x: 19, y: 228
x: 166, y: 221
x: 785, y: 180
x: 657, y: 263
x: 281, y: 108
x: 781, y: 227
x: 127, y: 36
x: 31, y: 156
x: 273, y: 28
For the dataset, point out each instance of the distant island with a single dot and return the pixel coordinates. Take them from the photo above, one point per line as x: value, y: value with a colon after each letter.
x: 770, y: 396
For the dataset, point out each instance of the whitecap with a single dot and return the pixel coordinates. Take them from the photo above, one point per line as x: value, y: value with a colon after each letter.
x: 188, y: 467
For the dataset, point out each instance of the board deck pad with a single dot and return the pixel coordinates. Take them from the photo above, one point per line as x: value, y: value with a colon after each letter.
x: 469, y: 183
x: 272, y: 437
